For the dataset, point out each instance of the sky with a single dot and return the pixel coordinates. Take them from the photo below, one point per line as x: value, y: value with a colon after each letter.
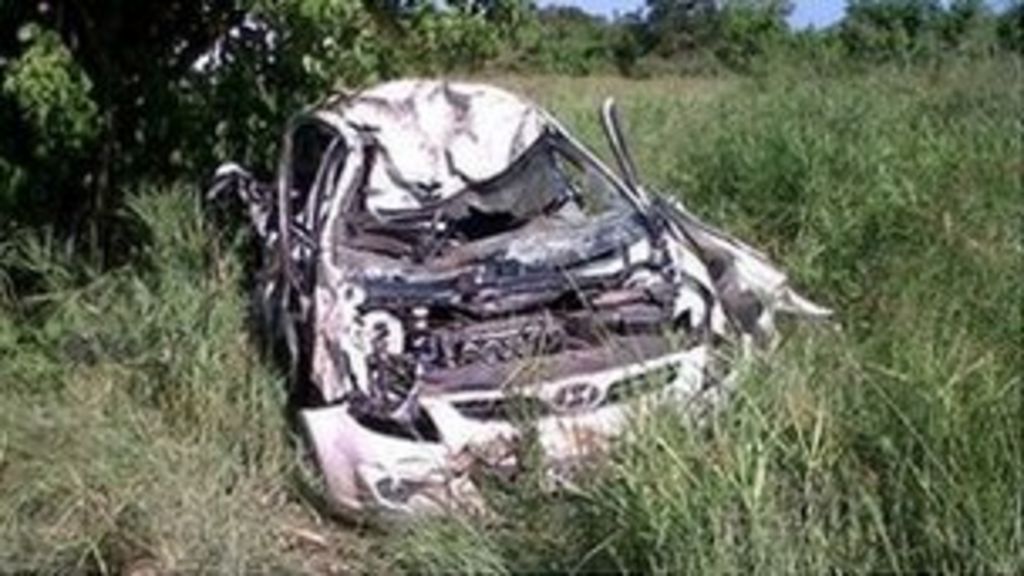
x: 806, y: 13
x: 817, y: 13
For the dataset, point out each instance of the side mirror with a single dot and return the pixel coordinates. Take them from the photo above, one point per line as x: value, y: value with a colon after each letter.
x: 230, y: 179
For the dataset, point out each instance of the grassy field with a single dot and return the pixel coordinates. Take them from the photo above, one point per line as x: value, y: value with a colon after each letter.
x: 139, y: 427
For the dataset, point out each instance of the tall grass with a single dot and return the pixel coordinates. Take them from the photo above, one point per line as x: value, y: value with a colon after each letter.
x: 139, y: 426
x: 890, y: 441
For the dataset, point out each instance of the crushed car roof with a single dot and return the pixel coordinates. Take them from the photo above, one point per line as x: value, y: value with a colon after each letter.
x: 438, y: 137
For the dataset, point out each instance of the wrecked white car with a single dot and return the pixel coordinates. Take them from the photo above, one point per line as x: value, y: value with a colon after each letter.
x: 449, y: 266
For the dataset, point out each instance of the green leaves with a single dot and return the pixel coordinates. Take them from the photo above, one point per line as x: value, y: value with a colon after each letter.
x: 750, y: 29
x: 53, y: 93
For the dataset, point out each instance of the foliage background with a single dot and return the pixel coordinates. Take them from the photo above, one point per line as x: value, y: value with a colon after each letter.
x: 98, y: 97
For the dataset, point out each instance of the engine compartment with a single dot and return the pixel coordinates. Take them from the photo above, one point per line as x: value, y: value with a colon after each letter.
x: 542, y: 302
x: 539, y: 272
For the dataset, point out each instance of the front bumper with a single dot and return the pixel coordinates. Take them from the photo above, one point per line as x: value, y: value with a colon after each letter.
x: 371, y: 469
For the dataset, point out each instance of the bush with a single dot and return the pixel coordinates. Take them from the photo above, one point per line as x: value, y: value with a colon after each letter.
x: 1011, y: 28
x: 53, y: 121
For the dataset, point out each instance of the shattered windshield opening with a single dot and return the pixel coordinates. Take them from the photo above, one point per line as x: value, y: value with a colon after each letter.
x: 549, y: 185
x: 593, y: 192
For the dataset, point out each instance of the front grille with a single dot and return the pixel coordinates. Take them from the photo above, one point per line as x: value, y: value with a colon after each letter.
x: 520, y: 408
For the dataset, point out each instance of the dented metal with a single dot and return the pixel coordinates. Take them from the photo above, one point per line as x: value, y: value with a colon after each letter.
x: 448, y: 267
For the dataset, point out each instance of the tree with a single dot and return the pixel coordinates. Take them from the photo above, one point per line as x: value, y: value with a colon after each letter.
x: 749, y: 29
x: 51, y: 123
x: 1011, y: 28
x: 886, y: 29
x: 679, y: 26
x: 103, y: 94
x: 966, y: 26
x: 107, y: 64
x: 569, y: 40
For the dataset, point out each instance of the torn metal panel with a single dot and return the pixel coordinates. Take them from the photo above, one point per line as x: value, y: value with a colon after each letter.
x: 448, y: 265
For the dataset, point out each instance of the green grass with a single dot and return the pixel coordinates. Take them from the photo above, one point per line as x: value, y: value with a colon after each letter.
x: 138, y: 424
